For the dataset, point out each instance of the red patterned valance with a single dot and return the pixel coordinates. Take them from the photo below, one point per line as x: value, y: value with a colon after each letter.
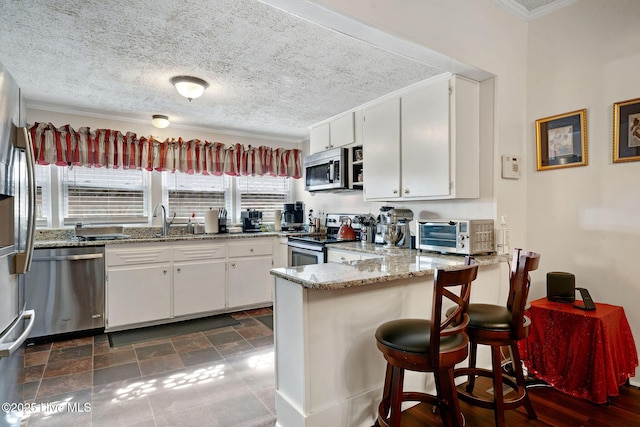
x: 109, y: 148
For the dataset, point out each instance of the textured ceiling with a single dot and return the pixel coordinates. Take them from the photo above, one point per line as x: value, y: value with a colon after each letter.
x: 270, y: 72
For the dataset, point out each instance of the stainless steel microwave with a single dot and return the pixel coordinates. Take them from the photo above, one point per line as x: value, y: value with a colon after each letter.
x: 326, y: 170
x: 465, y: 237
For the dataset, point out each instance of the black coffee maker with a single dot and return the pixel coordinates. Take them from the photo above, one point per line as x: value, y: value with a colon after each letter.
x: 251, y: 220
x: 293, y: 216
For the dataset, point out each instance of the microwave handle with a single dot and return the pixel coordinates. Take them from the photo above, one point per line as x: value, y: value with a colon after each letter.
x: 331, y: 171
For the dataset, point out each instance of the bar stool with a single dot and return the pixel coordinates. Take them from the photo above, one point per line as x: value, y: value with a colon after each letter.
x: 501, y: 326
x: 422, y: 345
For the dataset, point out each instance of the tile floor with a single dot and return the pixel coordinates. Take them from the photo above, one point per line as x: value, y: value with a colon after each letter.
x: 220, y: 378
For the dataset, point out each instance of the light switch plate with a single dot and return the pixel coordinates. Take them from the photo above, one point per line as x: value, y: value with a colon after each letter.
x: 510, y: 166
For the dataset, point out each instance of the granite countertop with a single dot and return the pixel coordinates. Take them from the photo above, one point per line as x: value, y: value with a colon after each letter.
x: 66, y: 238
x: 388, y: 265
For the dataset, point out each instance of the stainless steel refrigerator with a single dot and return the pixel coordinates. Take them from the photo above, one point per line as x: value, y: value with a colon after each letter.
x: 17, y: 226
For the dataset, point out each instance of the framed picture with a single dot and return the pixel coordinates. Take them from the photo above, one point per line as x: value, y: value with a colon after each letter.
x: 562, y: 140
x: 626, y: 131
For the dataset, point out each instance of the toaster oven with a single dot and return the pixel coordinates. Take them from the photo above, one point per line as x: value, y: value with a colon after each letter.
x: 464, y: 237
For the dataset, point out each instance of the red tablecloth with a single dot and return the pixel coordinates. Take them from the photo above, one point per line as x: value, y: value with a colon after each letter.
x: 587, y: 354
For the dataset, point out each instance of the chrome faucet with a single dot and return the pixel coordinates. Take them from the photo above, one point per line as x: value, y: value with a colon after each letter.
x: 165, y: 223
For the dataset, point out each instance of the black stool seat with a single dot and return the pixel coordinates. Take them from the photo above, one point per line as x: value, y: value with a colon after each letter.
x: 488, y: 316
x: 414, y: 336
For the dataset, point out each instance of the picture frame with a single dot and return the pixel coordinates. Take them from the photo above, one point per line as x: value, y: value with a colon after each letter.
x: 626, y: 131
x: 561, y: 141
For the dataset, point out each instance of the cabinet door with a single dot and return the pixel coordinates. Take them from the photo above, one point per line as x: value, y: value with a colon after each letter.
x: 425, y: 142
x: 319, y: 138
x: 342, y: 131
x: 249, y: 281
x: 336, y: 255
x: 198, y: 287
x: 381, y: 145
x: 138, y: 294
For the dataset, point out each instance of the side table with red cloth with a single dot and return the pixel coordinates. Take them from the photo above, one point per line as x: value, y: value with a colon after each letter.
x: 587, y: 354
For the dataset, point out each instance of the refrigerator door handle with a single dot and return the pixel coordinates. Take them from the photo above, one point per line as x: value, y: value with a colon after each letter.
x: 23, y: 259
x: 7, y: 349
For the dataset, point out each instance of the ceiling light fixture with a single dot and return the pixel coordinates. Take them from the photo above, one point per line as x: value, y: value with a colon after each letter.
x: 160, y: 121
x: 189, y: 87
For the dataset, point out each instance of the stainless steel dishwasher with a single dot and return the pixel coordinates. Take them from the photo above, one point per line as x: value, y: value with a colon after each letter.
x: 66, y: 287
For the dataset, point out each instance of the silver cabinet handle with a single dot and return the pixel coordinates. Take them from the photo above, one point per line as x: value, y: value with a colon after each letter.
x: 8, y: 349
x: 233, y: 264
x: 406, y: 191
x: 179, y: 269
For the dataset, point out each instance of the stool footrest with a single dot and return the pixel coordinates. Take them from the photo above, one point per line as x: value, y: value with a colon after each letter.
x: 468, y: 396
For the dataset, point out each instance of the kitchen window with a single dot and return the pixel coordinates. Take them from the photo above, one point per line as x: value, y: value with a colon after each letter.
x: 101, y: 195
x: 194, y: 194
x: 263, y: 193
x: 66, y: 196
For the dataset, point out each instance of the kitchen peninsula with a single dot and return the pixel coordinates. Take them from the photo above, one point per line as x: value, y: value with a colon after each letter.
x: 328, y: 369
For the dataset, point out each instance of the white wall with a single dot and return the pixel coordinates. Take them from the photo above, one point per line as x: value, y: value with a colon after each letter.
x: 585, y: 220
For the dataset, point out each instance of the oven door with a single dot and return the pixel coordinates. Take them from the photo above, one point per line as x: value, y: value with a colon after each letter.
x: 301, y: 253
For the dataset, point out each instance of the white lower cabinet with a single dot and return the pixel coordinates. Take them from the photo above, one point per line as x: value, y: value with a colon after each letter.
x: 198, y: 287
x: 138, y: 285
x: 148, y: 300
x: 249, y: 280
x: 199, y: 279
x: 150, y: 283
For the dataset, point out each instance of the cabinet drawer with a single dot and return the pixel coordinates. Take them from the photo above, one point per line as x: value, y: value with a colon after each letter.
x: 143, y: 255
x: 342, y: 256
x: 194, y: 252
x: 242, y: 249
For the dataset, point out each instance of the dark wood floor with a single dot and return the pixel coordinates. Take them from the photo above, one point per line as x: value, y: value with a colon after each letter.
x: 553, y: 407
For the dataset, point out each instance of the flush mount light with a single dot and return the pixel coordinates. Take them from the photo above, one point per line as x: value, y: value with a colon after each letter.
x: 160, y: 121
x: 189, y: 87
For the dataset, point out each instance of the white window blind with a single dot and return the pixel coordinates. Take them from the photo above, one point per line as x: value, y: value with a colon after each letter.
x: 263, y: 193
x: 101, y: 195
x: 43, y: 196
x: 195, y: 194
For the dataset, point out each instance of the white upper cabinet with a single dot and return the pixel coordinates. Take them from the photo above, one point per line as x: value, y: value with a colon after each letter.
x: 423, y: 145
x: 335, y: 133
x: 381, y: 147
x: 425, y: 142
